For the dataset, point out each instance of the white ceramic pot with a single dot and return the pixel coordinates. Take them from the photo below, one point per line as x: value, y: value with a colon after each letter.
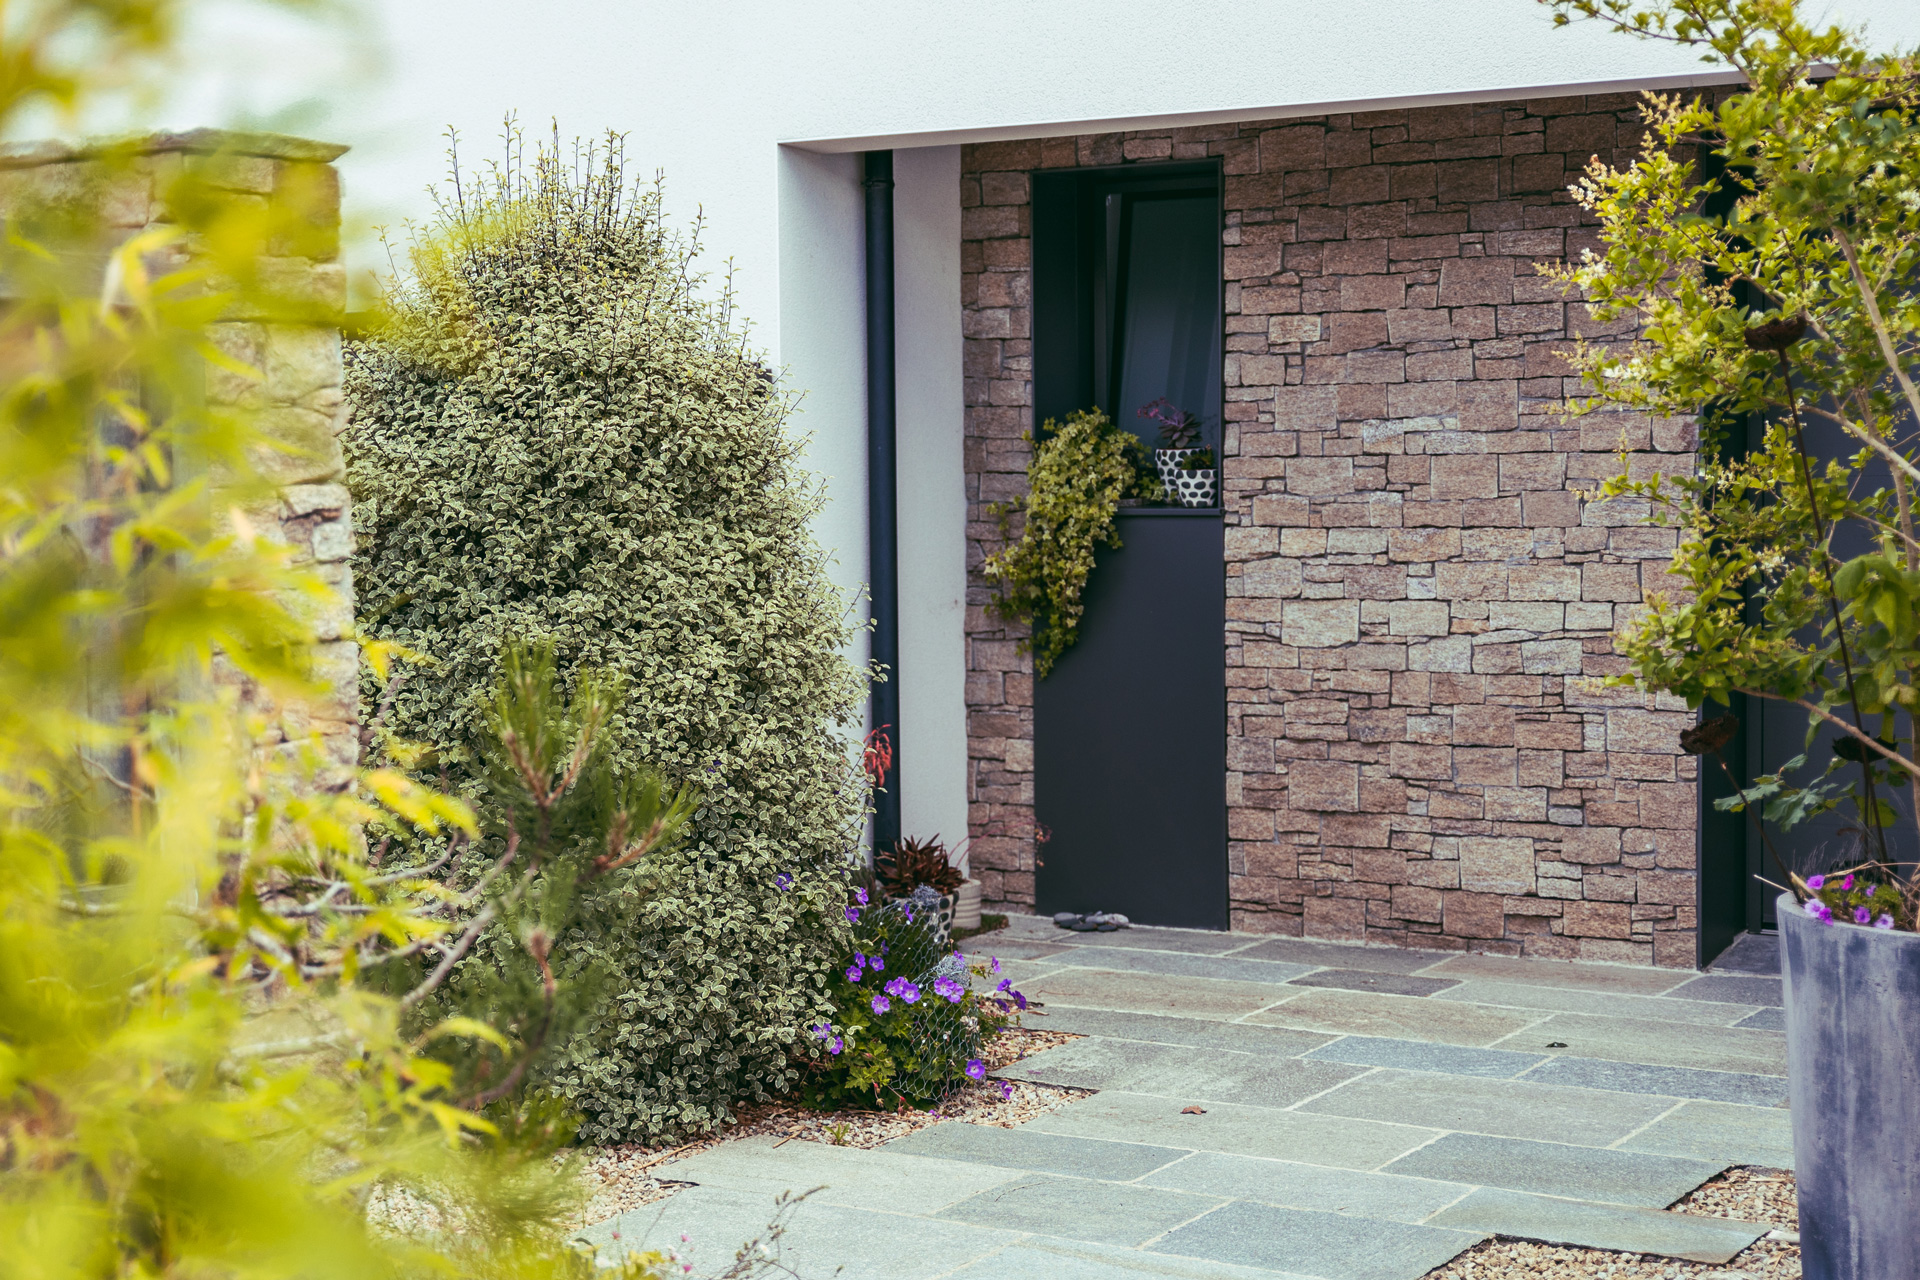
x: 1195, y: 488
x: 1171, y: 462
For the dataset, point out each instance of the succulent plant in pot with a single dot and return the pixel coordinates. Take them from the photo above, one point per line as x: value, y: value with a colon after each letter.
x: 1186, y: 466
x: 920, y: 871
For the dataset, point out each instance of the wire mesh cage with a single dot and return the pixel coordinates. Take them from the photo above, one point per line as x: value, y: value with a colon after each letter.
x: 931, y: 978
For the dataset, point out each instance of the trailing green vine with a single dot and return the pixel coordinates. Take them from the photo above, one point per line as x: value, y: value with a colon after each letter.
x: 1079, y: 473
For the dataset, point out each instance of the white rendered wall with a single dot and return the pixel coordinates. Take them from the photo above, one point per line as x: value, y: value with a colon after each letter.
x: 932, y: 493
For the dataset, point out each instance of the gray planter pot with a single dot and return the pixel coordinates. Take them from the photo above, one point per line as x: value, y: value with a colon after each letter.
x: 1853, y: 1059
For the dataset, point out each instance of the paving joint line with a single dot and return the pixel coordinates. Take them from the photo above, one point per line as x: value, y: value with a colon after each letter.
x: 1615, y: 1146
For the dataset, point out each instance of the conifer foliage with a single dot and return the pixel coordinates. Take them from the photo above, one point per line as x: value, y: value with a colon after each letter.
x: 559, y: 435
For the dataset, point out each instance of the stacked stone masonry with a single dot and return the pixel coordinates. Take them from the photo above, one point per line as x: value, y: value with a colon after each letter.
x: 296, y: 353
x: 1421, y: 584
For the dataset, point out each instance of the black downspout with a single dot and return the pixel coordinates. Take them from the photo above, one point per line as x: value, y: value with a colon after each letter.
x: 882, y: 544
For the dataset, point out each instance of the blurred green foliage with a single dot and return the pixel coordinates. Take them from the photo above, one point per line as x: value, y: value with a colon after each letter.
x: 193, y: 1082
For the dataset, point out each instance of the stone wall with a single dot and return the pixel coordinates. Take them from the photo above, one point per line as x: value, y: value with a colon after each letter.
x: 296, y: 349
x: 1420, y: 589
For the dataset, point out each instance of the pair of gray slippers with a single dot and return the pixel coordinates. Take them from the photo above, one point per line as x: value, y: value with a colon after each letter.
x: 1092, y: 921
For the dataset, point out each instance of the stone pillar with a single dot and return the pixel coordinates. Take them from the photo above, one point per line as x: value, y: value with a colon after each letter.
x: 296, y: 349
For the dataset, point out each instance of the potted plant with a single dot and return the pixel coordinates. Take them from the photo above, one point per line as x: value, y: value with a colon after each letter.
x: 1195, y: 482
x: 919, y: 873
x: 1081, y: 471
x: 1761, y: 251
x: 1186, y: 466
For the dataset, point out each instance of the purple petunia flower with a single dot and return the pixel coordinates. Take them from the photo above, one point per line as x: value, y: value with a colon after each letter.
x: 1847, y: 883
x: 853, y: 973
x: 859, y: 959
x: 1019, y: 1000
x: 1885, y: 921
x: 876, y: 963
x: 994, y: 965
x: 819, y: 1031
x: 853, y: 915
x: 837, y: 1045
x: 909, y: 992
x: 860, y: 896
x: 783, y: 882
x: 1006, y: 1090
x: 1861, y: 915
x: 881, y: 1004
x: 949, y: 988
x: 1816, y: 882
x: 976, y: 1069
x: 1820, y: 911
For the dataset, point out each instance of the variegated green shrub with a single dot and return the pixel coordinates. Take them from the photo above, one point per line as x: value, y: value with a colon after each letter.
x: 560, y: 436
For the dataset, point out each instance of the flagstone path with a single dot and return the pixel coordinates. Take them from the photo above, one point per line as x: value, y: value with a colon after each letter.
x: 1366, y: 1114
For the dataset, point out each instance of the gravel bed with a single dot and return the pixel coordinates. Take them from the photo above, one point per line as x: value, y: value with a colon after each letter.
x: 1749, y: 1194
x: 623, y: 1176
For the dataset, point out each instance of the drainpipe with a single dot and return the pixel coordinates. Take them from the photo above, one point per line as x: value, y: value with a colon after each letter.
x: 882, y: 541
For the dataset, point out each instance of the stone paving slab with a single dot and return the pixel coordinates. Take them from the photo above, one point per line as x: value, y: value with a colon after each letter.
x: 1556, y: 1169
x: 1721, y: 1132
x: 1673, y: 1082
x: 1417, y: 1055
x: 1393, y: 984
x: 1199, y: 1033
x: 1750, y: 953
x: 1664, y: 1044
x: 1399, y: 1017
x: 864, y: 1179
x: 1195, y: 941
x: 1625, y: 979
x: 1079, y: 1209
x: 1765, y: 1020
x: 1236, y: 1130
x: 1504, y: 1108
x: 1329, y: 1245
x: 1037, y: 1151
x: 1334, y: 955
x: 1174, y: 1071
x: 1308, y: 1186
x: 821, y: 1239
x: 1733, y: 988
x: 1044, y: 1258
x: 1152, y: 993
x: 1601, y: 1226
x: 1179, y: 963
x: 1602, y: 1003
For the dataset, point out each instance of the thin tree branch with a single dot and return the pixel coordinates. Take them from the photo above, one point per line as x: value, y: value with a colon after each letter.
x: 1879, y: 748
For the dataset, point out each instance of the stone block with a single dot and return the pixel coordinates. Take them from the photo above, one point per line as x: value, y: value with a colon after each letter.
x: 1611, y: 582
x: 1472, y: 915
x: 1417, y: 618
x: 1323, y: 786
x: 1320, y: 623
x: 1543, y: 582
x: 1490, y: 726
x: 1496, y: 864
x: 1275, y: 578
x: 1597, y: 920
x: 1652, y: 731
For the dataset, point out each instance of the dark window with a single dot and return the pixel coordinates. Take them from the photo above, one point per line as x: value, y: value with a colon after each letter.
x: 1127, y: 293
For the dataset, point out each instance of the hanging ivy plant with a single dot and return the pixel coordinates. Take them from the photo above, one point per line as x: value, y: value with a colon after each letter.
x: 1079, y: 473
